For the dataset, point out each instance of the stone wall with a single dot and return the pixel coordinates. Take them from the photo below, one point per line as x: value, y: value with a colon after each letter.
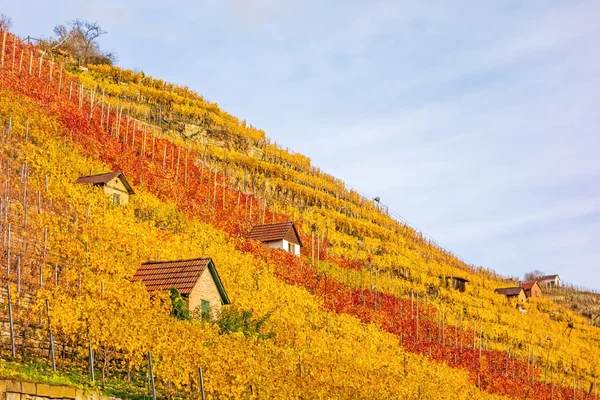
x: 32, y: 340
x: 205, y: 289
x: 29, y: 339
x: 26, y: 299
x: 18, y: 390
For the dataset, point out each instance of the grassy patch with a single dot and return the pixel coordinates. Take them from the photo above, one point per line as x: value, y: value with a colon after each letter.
x: 38, y: 371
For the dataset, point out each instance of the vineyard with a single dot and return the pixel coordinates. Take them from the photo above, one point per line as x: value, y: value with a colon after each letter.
x: 365, y: 312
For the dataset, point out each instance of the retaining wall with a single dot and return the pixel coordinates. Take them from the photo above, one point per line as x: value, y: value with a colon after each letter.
x: 19, y: 390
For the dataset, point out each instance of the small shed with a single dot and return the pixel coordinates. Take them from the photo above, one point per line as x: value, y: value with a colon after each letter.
x: 512, y: 293
x: 283, y: 235
x: 459, y: 283
x: 532, y: 289
x: 114, y: 183
x: 196, y: 279
x: 549, y: 281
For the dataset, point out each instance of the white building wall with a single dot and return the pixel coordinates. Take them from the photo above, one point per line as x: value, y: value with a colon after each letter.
x: 550, y: 282
x: 283, y: 245
x: 278, y: 244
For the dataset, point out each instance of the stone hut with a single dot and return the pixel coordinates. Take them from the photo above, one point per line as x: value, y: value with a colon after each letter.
x: 552, y: 281
x: 512, y: 293
x: 114, y: 184
x: 283, y: 236
x: 532, y: 289
x: 196, y: 279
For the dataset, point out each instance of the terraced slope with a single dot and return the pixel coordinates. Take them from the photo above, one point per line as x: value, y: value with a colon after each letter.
x: 365, y: 313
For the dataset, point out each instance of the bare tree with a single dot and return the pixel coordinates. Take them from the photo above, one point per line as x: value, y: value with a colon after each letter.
x: 5, y: 22
x: 79, y: 38
x: 533, y: 275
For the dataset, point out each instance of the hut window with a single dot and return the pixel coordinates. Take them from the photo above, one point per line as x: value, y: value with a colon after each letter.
x: 291, y: 248
x: 205, y: 308
x: 116, y: 198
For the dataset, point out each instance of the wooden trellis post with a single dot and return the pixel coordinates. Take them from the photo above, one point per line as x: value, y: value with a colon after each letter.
x: 312, y: 235
x: 50, y: 337
x: 11, y: 322
x: 60, y: 79
x: 14, y: 39
x: 41, y: 62
x: 3, y: 45
x: 187, y: 150
x: 8, y: 249
x: 21, y: 61
x: 153, y: 142
x: 19, y: 275
x: 474, y: 332
x: 91, y: 363
x: 319, y: 240
x: 81, y: 96
x: 480, y: 338
x: 152, y: 388
x: 102, y: 109
x: 443, y: 328
x: 215, y: 189
x: 417, y: 316
x: 143, y: 142
x: 201, y: 383
x: 507, y: 358
x: 178, y: 158
x: 172, y: 158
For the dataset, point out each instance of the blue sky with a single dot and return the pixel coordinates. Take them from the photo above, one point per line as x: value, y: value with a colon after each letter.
x: 476, y: 121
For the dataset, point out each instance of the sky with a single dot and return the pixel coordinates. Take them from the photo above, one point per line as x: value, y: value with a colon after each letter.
x: 475, y: 121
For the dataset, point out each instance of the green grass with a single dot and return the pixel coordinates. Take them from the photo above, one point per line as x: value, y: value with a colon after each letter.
x: 39, y: 371
x: 32, y: 370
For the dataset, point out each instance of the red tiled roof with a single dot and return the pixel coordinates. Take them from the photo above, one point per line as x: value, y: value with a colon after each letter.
x: 272, y: 232
x: 100, y: 178
x: 164, y: 275
x: 513, y: 291
x: 103, y: 179
x: 528, y: 285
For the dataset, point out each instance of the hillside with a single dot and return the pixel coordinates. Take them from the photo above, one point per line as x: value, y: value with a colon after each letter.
x: 365, y: 312
x: 581, y: 301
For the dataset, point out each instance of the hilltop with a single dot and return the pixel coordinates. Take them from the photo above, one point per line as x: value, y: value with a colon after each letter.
x: 369, y: 309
